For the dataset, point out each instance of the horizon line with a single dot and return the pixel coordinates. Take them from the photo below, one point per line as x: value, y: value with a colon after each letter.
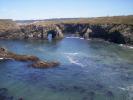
x: 66, y: 17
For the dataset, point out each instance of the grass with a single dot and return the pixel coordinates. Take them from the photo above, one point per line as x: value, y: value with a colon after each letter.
x: 6, y: 24
x: 95, y: 20
x: 9, y: 24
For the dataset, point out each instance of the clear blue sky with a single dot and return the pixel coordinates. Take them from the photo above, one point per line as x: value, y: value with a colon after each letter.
x: 42, y: 9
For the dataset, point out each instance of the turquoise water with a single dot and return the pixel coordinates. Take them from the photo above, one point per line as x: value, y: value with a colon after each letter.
x: 89, y: 70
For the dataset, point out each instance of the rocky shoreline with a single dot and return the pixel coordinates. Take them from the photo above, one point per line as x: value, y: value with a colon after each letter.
x: 117, y: 33
x: 36, y: 62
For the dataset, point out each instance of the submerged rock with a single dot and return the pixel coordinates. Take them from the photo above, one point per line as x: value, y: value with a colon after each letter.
x: 4, y: 94
x: 25, y: 58
x: 5, y: 54
x: 43, y: 64
x: 90, y: 96
x: 37, y: 63
x: 109, y: 95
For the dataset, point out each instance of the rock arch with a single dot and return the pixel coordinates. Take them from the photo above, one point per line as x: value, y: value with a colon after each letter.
x: 52, y: 33
x: 54, y: 30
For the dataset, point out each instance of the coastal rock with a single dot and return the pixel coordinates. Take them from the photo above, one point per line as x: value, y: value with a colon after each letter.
x: 43, y: 64
x: 120, y: 33
x: 24, y: 57
x: 37, y: 63
x: 117, y: 33
x: 5, y: 54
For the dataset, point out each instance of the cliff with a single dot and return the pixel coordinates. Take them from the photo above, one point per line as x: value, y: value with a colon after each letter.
x: 117, y: 29
x: 117, y: 33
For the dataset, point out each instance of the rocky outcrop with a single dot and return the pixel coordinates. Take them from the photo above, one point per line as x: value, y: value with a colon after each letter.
x: 37, y: 63
x: 41, y: 64
x: 117, y: 33
x: 33, y: 32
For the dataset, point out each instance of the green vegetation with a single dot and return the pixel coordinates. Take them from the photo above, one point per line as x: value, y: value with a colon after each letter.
x: 95, y: 20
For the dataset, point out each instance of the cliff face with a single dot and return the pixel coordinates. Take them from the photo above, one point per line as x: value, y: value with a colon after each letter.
x: 117, y: 33
x: 32, y: 32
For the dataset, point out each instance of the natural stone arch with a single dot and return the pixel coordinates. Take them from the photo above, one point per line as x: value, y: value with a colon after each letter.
x: 52, y: 33
x: 55, y: 31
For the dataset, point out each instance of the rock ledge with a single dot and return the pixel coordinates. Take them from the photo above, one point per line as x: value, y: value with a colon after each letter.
x: 36, y: 62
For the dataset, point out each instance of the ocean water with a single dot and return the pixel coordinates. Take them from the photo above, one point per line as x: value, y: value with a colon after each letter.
x: 89, y: 70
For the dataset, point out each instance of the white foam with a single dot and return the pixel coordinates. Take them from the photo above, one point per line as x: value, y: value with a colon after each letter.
x: 81, y: 38
x: 1, y: 58
x: 126, y: 46
x: 71, y: 53
x: 130, y: 91
x: 121, y: 44
x: 75, y: 38
x: 74, y: 61
x: 131, y: 47
x: 124, y: 89
x: 72, y: 37
x: 6, y: 59
x: 88, y: 39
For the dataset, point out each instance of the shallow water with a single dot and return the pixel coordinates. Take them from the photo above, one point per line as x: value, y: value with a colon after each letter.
x: 89, y: 70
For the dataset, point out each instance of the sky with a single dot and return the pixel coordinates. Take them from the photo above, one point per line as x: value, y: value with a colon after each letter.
x: 47, y: 9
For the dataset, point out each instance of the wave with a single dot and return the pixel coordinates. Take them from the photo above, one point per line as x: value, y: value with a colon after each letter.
x: 129, y: 89
x: 71, y: 37
x: 1, y: 58
x: 81, y: 38
x: 72, y: 53
x: 126, y: 46
x: 74, y: 61
x: 5, y: 59
x: 75, y: 38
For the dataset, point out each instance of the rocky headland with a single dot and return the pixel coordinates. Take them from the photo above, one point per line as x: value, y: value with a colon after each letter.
x: 113, y: 29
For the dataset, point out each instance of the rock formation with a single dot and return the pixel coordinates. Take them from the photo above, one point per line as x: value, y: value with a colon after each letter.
x: 37, y: 63
x: 113, y: 32
x: 117, y: 33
